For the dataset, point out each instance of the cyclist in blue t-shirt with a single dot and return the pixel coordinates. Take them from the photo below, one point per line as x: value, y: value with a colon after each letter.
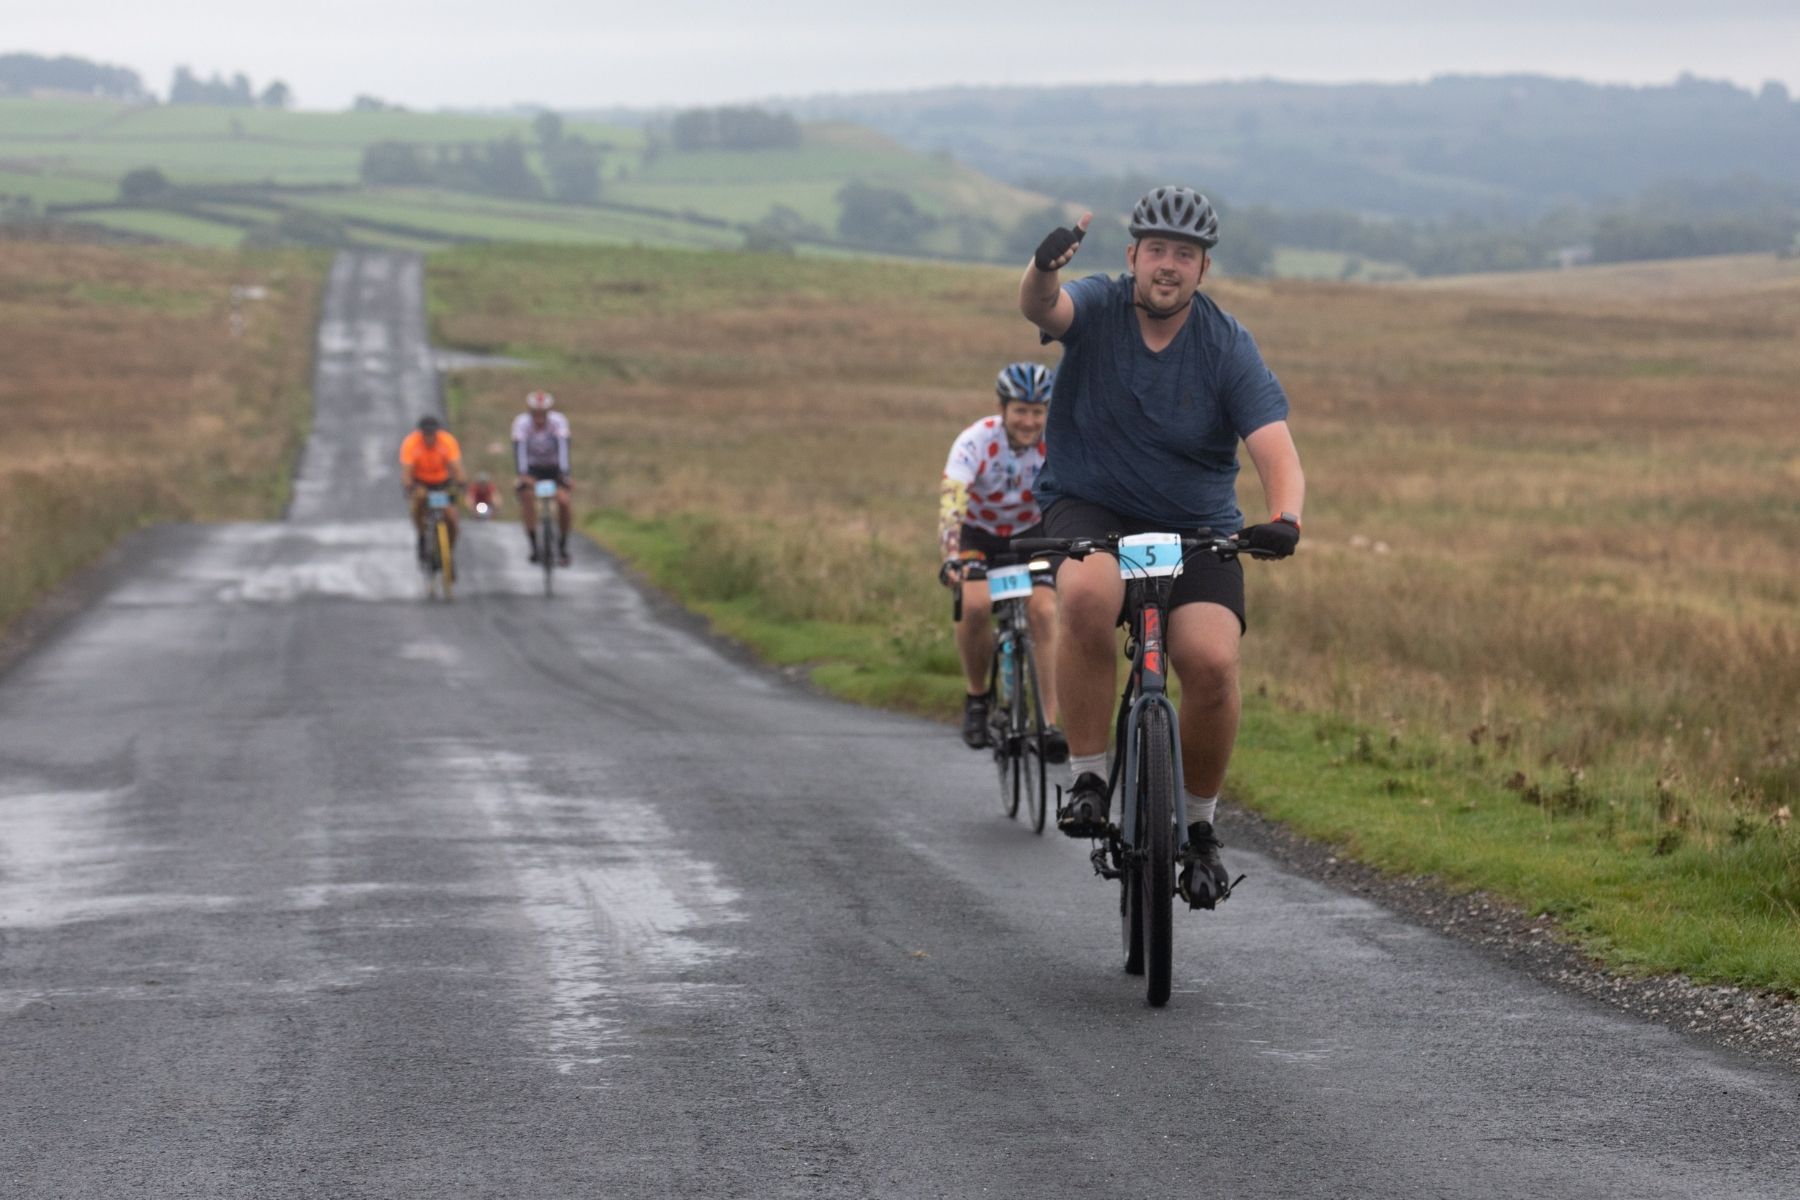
x: 1156, y: 387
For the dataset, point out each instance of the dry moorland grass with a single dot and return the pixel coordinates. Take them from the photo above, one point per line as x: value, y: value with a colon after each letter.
x: 140, y: 385
x: 1561, y: 527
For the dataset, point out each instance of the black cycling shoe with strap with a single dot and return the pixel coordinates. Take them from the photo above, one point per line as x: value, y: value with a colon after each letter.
x: 975, y: 722
x: 1084, y: 813
x: 1203, y: 881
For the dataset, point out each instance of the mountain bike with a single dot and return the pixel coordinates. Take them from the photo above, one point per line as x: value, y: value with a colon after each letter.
x: 1142, y: 848
x: 439, y: 562
x: 1016, y: 725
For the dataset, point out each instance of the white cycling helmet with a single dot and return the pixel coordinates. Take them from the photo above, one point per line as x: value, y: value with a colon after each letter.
x: 540, y: 401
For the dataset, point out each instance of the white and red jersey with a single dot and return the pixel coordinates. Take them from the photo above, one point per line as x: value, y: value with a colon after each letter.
x: 1000, y: 479
x: 546, y: 447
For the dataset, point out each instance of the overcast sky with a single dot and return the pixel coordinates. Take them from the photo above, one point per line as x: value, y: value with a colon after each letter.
x: 595, y: 53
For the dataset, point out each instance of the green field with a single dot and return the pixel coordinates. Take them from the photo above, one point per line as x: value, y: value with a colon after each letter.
x: 74, y: 153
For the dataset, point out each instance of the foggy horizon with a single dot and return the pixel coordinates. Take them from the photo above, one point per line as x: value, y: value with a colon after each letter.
x: 556, y: 54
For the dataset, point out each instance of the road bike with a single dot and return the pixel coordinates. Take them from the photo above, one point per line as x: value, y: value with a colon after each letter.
x: 438, y: 564
x: 1143, y: 847
x: 1017, y: 730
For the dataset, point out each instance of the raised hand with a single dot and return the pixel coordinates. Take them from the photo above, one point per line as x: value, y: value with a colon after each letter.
x: 1055, y: 251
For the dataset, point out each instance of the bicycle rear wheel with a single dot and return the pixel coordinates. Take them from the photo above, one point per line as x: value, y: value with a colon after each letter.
x: 1155, y: 840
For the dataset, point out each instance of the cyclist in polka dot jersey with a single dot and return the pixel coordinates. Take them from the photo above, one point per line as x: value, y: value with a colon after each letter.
x: 986, y: 500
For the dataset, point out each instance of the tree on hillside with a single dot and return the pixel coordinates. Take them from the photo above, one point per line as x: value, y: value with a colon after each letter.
x: 373, y: 104
x: 883, y: 218
x: 187, y: 88
x: 145, y: 185
x: 394, y: 164
x: 276, y: 95
x: 549, y: 128
x: 574, y: 167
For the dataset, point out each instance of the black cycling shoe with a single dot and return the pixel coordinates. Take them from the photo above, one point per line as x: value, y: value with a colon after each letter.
x: 534, y: 555
x: 1084, y: 815
x: 562, y: 556
x: 975, y: 720
x: 1203, y: 881
x: 1056, y: 746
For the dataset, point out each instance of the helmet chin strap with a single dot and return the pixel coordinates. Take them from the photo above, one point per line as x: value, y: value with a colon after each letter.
x: 1158, y: 314
x: 1162, y: 314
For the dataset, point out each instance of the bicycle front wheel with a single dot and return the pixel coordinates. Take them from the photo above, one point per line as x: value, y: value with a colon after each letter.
x: 1155, y: 841
x: 1004, y: 688
x: 1033, y: 739
x: 546, y: 532
x: 446, y: 558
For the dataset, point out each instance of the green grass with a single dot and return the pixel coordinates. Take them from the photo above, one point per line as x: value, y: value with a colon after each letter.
x: 168, y: 226
x: 61, y: 153
x: 519, y: 221
x: 52, y: 188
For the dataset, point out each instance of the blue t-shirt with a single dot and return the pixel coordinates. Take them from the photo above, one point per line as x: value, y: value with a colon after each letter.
x: 1153, y: 434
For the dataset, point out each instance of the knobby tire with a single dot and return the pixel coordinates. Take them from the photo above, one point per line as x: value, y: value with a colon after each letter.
x: 446, y: 558
x: 1156, y: 839
x: 1031, y: 725
x: 1001, y: 725
x: 545, y: 527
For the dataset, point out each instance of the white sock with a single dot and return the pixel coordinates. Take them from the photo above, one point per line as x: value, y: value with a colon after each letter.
x: 1080, y: 764
x: 1199, y: 809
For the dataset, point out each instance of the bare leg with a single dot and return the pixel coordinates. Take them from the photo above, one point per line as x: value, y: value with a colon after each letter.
x: 1203, y: 646
x: 1088, y: 595
x: 975, y: 636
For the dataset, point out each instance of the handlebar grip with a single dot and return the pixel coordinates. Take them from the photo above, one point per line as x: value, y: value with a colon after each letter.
x: 1036, y: 545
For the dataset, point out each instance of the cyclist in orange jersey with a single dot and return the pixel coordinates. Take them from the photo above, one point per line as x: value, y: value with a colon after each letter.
x: 430, y: 458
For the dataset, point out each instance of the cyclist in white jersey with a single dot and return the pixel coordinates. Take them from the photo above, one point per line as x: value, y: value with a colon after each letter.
x: 985, y: 501
x: 540, y: 439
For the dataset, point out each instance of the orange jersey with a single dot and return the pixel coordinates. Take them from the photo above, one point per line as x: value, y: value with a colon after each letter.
x: 430, y: 464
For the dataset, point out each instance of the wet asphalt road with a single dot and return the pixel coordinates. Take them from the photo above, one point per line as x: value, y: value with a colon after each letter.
x: 309, y: 887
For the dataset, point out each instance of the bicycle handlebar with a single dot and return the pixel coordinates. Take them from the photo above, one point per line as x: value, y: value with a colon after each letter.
x: 1224, y: 547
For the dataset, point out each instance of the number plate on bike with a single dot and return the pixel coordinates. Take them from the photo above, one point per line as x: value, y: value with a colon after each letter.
x: 546, y: 488
x: 1009, y: 583
x: 438, y: 499
x: 1149, y: 554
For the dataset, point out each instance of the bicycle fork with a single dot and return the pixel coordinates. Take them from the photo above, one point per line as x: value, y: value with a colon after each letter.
x: 1149, y: 680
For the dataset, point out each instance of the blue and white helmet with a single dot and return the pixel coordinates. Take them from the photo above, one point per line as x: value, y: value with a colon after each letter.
x: 1026, y: 381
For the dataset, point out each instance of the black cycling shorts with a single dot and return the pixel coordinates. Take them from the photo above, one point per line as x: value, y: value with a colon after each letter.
x: 1203, y: 579
x: 981, y: 550
x: 544, y: 473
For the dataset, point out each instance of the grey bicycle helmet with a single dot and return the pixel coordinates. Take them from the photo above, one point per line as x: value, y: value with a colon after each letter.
x: 1176, y: 212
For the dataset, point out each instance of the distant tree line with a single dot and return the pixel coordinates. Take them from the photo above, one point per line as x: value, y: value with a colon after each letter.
x: 237, y: 92
x: 21, y: 73
x: 500, y: 167
x: 1742, y: 214
x: 733, y: 129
